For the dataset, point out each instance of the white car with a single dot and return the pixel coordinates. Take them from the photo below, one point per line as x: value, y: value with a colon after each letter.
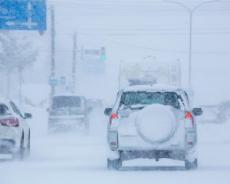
x: 14, y: 130
x: 152, y: 122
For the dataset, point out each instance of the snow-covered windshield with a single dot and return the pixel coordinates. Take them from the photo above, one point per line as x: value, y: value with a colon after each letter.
x: 148, y: 98
x: 66, y: 101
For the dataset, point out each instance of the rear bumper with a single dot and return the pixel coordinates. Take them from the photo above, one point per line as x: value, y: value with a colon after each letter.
x: 67, y: 117
x: 7, y: 146
x: 67, y: 123
x: 153, y: 154
x: 66, y: 120
x: 10, y: 138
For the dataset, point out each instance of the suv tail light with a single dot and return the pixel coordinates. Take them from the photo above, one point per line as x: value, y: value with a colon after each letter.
x: 189, y: 120
x: 11, y: 122
x: 188, y: 115
x: 113, y: 116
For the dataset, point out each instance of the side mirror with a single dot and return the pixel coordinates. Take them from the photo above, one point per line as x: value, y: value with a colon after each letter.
x: 27, y: 115
x: 197, y: 111
x: 108, y: 111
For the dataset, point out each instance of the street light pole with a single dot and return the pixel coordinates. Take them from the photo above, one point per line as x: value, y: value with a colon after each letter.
x: 190, y: 50
x: 53, y: 62
x: 191, y: 13
x: 74, y: 63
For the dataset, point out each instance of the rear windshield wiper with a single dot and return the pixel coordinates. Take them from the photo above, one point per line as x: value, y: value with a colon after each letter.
x: 133, y: 107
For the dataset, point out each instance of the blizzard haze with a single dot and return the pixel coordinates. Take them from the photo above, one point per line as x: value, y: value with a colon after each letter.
x: 134, y: 30
x: 131, y: 31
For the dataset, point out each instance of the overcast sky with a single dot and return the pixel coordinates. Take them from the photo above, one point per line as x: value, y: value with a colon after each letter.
x: 132, y: 30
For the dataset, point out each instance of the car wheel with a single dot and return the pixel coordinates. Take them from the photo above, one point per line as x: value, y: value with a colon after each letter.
x: 191, y: 165
x: 28, y: 145
x: 21, y: 152
x: 86, y: 126
x: 114, y: 164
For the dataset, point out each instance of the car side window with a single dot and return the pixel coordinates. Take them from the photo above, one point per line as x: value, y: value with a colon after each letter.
x: 4, y: 109
x: 171, y: 99
x: 181, y: 101
x: 15, y: 109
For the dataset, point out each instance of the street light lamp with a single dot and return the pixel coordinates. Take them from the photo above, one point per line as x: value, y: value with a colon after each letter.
x: 190, y: 12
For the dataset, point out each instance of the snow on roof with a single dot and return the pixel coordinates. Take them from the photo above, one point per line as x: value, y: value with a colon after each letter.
x: 67, y: 95
x: 157, y: 87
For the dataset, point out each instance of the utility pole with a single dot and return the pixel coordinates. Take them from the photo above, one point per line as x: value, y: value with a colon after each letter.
x: 120, y: 74
x: 74, y: 64
x: 8, y: 83
x: 53, y: 64
x: 190, y: 49
x: 20, y: 71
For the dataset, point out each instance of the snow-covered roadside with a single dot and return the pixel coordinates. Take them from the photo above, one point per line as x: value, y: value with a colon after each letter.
x: 214, y: 147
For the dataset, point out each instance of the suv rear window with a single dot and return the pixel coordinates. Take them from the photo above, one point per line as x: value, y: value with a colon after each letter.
x: 66, y: 101
x: 148, y: 98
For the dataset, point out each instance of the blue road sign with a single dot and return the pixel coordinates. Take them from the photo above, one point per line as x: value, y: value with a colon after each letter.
x: 23, y: 15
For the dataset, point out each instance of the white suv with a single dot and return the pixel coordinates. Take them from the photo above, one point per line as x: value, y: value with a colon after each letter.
x: 14, y: 130
x: 152, y: 122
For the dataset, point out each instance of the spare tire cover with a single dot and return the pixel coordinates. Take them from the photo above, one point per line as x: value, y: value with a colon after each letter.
x: 156, y: 123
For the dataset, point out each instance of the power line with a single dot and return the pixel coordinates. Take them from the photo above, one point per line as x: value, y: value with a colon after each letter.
x: 158, y: 6
x: 122, y: 2
x: 175, y: 32
x: 69, y: 51
x: 157, y: 50
x: 133, y: 33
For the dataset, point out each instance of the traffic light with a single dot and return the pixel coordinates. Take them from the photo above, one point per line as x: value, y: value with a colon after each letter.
x: 103, y: 54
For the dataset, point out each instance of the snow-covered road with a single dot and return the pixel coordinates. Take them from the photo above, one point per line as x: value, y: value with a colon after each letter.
x: 72, y: 158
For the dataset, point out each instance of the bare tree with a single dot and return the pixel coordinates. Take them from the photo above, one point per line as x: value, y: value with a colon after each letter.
x: 16, y: 53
